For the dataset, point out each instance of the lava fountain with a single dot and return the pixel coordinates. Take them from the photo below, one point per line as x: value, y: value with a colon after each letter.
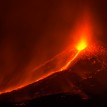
x: 80, y: 46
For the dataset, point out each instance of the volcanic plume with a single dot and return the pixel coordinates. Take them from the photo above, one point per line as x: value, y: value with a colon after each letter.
x: 18, y: 71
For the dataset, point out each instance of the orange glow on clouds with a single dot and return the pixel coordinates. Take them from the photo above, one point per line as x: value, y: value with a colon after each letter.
x: 82, y: 37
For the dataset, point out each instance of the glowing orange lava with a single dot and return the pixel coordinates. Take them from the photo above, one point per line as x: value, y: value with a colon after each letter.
x: 81, y: 45
x: 69, y: 62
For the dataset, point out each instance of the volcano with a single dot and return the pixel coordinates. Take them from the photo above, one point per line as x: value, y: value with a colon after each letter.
x: 53, y: 53
x: 84, y: 82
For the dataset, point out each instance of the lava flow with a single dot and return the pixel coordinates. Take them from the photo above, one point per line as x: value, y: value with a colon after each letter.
x: 80, y: 46
x: 61, y: 61
x: 50, y: 67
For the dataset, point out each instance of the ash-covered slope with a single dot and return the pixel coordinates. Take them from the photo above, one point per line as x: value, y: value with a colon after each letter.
x: 86, y: 78
x: 56, y: 83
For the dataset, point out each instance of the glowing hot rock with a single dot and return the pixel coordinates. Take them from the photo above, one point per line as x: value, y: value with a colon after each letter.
x: 81, y: 45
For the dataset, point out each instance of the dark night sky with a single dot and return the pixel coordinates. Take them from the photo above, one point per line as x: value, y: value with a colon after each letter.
x: 34, y: 31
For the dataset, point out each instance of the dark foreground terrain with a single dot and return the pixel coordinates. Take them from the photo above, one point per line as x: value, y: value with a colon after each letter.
x: 83, y: 85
